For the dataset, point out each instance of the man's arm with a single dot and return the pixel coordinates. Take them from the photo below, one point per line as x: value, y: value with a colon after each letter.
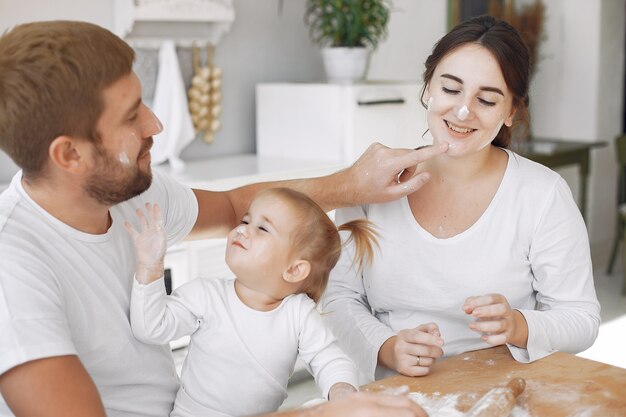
x: 51, y: 387
x: 373, y: 178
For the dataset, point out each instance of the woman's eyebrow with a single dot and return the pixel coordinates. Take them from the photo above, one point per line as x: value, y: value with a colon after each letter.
x: 485, y: 88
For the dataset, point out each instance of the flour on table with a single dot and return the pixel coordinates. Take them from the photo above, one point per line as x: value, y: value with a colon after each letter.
x: 438, y: 405
x: 445, y: 405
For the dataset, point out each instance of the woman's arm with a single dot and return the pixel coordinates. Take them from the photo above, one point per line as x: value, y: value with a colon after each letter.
x: 567, y: 315
x: 366, y: 340
x: 347, y: 311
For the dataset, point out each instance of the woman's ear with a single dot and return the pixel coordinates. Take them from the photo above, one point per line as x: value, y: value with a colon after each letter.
x: 508, y: 122
x: 67, y: 153
x: 297, y: 271
x: 425, y: 95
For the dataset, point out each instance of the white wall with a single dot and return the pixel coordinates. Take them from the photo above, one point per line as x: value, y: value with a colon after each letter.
x: 414, y: 27
x: 262, y: 46
x: 577, y: 94
x: 609, y: 110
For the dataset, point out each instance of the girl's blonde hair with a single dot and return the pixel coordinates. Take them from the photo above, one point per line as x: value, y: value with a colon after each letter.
x: 316, y: 239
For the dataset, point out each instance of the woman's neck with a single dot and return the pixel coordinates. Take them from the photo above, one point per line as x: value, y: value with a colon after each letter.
x: 463, y: 169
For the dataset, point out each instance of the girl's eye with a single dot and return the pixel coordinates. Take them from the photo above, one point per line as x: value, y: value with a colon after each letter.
x: 448, y: 91
x: 262, y: 228
x: 486, y: 103
x: 244, y: 222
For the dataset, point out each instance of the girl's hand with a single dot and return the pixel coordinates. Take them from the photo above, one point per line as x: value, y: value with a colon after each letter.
x: 150, y: 244
x: 496, y: 320
x: 413, y: 351
x: 340, y: 390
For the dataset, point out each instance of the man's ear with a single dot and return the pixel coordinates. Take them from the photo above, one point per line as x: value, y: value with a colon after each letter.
x: 297, y: 271
x: 68, y: 153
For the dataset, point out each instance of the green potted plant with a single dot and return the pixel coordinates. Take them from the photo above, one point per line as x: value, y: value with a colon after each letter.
x: 347, y: 31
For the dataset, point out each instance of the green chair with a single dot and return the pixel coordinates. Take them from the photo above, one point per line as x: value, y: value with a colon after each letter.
x: 620, y: 150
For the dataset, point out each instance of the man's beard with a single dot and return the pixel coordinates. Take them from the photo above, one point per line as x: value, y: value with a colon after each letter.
x: 112, y: 182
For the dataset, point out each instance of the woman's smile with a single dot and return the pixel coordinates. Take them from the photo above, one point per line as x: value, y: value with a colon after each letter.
x: 458, y: 130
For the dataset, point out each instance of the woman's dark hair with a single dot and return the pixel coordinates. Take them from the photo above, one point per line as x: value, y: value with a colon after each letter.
x: 506, y: 45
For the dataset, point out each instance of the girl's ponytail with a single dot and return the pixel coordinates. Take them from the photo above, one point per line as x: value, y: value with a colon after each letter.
x: 364, y: 235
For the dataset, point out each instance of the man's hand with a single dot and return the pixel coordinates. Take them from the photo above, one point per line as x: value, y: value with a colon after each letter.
x: 413, y: 351
x: 375, y: 176
x: 150, y: 244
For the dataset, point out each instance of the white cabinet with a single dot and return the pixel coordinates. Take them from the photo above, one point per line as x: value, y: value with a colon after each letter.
x: 336, y: 123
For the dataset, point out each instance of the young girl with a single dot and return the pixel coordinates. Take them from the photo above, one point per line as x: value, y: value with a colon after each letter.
x: 246, y: 333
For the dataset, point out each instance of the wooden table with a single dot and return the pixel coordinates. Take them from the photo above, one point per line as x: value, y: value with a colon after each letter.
x: 555, y: 153
x: 560, y: 385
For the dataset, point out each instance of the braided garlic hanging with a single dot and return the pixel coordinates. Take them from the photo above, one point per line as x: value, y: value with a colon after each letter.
x: 205, y: 95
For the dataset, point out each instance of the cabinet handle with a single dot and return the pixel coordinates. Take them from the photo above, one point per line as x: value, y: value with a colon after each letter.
x: 378, y: 102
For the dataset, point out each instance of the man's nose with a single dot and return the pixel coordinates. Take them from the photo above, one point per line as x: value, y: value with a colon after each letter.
x: 151, y: 125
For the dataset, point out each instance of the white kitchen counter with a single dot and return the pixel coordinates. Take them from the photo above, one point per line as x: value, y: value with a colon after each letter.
x: 222, y: 173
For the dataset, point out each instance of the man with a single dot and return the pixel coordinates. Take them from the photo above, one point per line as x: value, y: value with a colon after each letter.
x: 71, y: 117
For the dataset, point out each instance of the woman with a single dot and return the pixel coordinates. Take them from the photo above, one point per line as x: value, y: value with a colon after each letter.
x: 491, y: 251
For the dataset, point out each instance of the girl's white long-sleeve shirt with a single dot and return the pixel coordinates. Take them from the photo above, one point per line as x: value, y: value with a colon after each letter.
x: 530, y: 245
x: 239, y: 359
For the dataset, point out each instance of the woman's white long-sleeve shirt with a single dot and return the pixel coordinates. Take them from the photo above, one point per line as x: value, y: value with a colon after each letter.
x: 530, y: 245
x: 239, y: 359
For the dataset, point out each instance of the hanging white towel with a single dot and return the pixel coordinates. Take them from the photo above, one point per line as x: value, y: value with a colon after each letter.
x: 170, y: 106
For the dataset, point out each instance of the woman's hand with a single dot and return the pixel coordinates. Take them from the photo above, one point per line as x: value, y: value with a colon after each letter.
x: 150, y: 244
x: 412, y: 351
x: 496, y: 320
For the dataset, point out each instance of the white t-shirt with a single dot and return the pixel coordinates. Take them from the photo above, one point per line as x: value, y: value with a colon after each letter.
x: 66, y: 292
x: 530, y: 245
x: 239, y: 359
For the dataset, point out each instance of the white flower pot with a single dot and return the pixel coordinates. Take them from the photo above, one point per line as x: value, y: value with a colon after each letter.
x: 345, y: 65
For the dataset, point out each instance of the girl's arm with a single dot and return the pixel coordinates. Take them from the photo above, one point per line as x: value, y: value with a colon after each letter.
x: 332, y: 369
